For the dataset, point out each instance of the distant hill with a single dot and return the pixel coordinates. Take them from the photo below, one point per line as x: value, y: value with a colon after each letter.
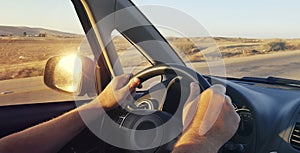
x: 19, y: 31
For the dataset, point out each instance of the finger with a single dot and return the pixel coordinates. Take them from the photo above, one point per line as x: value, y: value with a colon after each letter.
x: 133, y: 84
x: 128, y: 91
x: 232, y: 115
x: 188, y: 113
x: 212, y: 113
x: 194, y: 92
x: 230, y: 106
x: 191, y: 104
x: 122, y: 80
x: 130, y: 87
x: 218, y: 88
x: 229, y: 101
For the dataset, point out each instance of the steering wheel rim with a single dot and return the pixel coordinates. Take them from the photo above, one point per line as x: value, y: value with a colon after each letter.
x: 175, y: 69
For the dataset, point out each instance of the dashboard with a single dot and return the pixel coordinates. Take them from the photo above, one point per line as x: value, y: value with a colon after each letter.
x: 269, y: 114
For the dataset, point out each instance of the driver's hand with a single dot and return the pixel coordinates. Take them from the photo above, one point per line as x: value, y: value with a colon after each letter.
x: 208, y: 118
x: 118, y: 91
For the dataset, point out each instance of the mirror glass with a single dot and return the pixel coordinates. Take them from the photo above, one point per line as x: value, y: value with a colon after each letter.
x: 67, y: 73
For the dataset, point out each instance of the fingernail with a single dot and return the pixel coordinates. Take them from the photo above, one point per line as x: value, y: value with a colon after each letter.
x: 219, y: 88
x: 136, y: 80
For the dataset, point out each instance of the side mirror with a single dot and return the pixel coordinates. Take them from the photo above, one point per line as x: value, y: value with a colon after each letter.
x: 67, y: 73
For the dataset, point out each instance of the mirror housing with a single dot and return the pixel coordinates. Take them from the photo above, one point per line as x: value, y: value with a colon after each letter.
x: 70, y: 74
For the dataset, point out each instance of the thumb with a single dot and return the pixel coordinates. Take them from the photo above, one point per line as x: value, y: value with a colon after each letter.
x: 191, y: 105
x: 133, y: 84
x: 194, y: 91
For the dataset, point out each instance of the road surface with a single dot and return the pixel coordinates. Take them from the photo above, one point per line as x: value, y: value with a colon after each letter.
x: 283, y: 64
x: 29, y: 90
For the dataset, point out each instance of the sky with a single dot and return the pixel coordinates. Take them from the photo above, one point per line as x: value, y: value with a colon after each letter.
x: 227, y: 18
x: 52, y: 14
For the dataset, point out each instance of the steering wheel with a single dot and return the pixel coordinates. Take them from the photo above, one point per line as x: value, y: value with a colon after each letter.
x: 173, y: 69
x: 151, y: 130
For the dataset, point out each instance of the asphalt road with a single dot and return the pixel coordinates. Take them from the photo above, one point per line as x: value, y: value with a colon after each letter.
x: 29, y: 90
x: 283, y: 64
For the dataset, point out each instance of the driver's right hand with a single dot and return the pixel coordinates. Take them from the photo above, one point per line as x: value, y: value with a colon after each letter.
x: 208, y: 117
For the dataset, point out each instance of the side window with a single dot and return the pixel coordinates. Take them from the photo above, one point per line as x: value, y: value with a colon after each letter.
x: 28, y: 38
x: 131, y: 59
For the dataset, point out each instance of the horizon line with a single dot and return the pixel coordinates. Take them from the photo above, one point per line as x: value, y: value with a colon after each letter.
x: 213, y: 36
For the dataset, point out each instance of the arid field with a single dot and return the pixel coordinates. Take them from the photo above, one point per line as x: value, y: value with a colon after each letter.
x: 22, y: 57
x: 26, y: 56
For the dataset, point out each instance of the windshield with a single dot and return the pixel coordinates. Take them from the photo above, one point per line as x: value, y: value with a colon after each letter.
x: 32, y: 33
x: 231, y: 39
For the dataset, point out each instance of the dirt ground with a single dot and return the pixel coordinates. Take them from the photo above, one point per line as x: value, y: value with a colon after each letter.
x: 22, y: 57
x: 26, y: 57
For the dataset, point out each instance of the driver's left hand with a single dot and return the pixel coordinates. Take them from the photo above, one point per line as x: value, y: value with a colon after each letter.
x: 118, y: 91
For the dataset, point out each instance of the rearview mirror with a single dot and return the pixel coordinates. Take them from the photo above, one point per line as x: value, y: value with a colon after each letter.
x: 65, y: 73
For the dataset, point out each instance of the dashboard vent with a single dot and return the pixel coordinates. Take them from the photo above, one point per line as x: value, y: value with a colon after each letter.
x: 295, y: 138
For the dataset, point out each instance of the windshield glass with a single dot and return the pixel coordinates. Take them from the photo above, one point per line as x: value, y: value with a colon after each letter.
x: 31, y: 32
x: 231, y: 39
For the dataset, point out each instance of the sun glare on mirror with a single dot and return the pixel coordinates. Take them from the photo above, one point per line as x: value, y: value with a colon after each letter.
x: 69, y: 71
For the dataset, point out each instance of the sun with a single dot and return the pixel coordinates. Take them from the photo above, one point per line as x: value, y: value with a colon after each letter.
x: 71, y: 69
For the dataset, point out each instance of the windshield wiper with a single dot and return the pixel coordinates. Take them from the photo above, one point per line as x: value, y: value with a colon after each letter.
x: 273, y: 80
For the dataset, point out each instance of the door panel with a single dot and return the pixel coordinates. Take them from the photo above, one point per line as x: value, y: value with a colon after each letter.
x: 18, y: 117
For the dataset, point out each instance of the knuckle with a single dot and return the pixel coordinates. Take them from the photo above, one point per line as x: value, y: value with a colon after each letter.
x: 237, y: 118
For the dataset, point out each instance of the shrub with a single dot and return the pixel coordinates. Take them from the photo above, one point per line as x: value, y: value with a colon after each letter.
x: 277, y: 46
x: 184, y: 45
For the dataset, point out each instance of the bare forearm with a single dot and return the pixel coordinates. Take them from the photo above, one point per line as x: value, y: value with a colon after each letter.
x: 52, y: 135
x: 46, y: 137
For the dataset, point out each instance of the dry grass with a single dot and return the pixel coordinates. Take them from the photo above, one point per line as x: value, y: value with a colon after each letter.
x: 201, y: 49
x: 26, y: 57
